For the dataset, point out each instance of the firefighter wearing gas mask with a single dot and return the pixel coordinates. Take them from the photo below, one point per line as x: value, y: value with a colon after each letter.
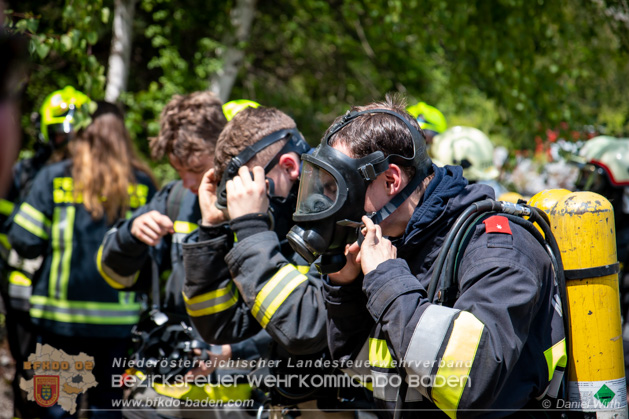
x: 496, y: 345
x: 242, y: 275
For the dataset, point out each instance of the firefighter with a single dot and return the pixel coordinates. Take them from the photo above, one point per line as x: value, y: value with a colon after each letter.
x: 430, y: 119
x: 241, y: 274
x: 499, y: 342
x: 64, y: 221
x: 189, y: 128
x: 604, y: 169
x: 56, y: 120
x: 471, y: 149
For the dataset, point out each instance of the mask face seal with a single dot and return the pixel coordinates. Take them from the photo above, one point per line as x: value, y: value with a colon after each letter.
x: 332, y: 191
x: 295, y: 143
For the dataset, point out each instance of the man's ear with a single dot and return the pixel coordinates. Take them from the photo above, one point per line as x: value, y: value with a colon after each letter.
x: 290, y: 163
x: 395, y: 180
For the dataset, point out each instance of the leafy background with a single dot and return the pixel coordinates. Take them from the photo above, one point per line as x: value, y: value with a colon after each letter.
x: 526, y: 72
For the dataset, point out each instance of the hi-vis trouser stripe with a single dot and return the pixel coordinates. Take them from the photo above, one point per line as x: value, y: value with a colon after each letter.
x: 212, y: 302
x: 89, y: 312
x: 556, y: 359
x: 62, y: 232
x: 109, y: 275
x: 275, y: 292
x: 182, y: 228
x: 386, y: 380
x: 33, y: 221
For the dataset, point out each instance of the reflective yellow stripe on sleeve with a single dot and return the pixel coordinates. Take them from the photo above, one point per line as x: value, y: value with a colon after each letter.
x: 212, y: 302
x: 113, y: 279
x: 456, y: 362
x: 33, y: 221
x: 275, y: 292
x: 18, y: 278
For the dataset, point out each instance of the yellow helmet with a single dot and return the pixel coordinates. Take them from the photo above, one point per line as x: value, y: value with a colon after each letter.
x: 231, y: 108
x: 61, y: 111
x: 428, y: 117
x: 467, y: 147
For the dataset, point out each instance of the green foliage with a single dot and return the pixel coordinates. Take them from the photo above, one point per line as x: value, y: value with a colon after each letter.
x: 513, y: 68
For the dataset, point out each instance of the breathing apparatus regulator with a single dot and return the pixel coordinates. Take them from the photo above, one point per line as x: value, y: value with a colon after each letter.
x: 332, y: 189
x: 164, y: 343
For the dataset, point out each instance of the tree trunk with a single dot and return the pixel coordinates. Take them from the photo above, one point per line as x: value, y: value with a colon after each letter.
x: 119, y: 57
x: 241, y: 17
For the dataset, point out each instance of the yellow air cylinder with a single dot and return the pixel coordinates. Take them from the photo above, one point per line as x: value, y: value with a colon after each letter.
x: 546, y: 200
x: 583, y: 225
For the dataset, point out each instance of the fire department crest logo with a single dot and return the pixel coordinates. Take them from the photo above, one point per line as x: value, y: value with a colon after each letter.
x: 58, y: 378
x: 46, y: 389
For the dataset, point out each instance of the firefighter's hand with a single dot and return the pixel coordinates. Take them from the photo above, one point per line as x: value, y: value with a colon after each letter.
x: 150, y: 227
x: 246, y: 195
x: 375, y: 249
x: 206, y: 367
x: 350, y: 271
x: 210, y: 215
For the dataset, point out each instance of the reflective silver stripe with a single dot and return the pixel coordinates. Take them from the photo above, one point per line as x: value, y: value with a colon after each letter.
x: 217, y: 298
x: 421, y: 354
x: 178, y: 237
x: 381, y: 386
x: 76, y: 311
x: 59, y: 227
x: 360, y: 366
x: 33, y: 221
x: 555, y: 383
x: 413, y: 395
x: 557, y: 305
x: 20, y: 291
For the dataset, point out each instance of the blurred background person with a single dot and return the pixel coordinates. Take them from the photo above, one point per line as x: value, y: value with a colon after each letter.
x: 430, y: 120
x: 64, y: 218
x: 471, y: 149
x: 55, y: 121
x: 189, y: 128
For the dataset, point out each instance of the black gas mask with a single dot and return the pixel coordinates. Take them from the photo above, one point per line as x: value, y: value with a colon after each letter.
x: 331, y: 198
x: 295, y: 143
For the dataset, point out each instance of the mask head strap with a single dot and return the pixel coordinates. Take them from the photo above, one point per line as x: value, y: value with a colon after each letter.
x: 295, y: 143
x: 370, y: 171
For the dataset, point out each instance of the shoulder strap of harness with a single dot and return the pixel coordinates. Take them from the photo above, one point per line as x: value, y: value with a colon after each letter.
x: 174, y: 200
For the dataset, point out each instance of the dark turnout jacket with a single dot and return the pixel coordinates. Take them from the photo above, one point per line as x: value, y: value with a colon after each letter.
x: 122, y: 257
x: 241, y: 278
x: 497, y: 349
x: 69, y: 295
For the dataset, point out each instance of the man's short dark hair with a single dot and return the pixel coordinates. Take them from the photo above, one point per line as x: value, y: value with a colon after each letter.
x: 247, y: 128
x: 379, y: 131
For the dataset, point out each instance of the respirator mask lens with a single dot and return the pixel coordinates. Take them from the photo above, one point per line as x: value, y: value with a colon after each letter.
x: 318, y: 191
